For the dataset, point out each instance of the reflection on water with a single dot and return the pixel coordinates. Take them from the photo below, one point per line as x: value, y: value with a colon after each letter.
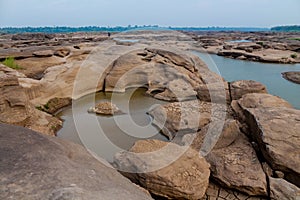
x: 121, y: 130
x: 239, y: 41
x: 266, y: 73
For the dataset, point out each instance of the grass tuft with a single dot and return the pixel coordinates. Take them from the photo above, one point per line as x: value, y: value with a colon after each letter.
x: 294, y: 56
x: 10, y: 62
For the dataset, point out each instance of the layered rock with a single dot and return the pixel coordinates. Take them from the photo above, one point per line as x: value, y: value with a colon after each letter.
x: 274, y: 126
x: 255, y: 100
x: 262, y: 47
x: 292, y: 76
x: 169, y: 76
x: 175, y: 173
x: 239, y: 88
x: 276, y: 130
x: 34, y: 166
x: 215, y: 191
x: 105, y: 108
x: 56, y: 104
x: 281, y: 189
x: 16, y: 108
x: 187, y: 116
x: 234, y: 163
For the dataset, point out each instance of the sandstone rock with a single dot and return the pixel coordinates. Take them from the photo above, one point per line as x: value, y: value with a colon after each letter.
x: 169, y: 76
x: 35, y: 166
x: 10, y: 72
x: 239, y: 88
x: 279, y: 46
x: 105, y: 108
x: 247, y: 45
x: 273, y: 124
x: 45, y: 53
x: 215, y: 93
x: 183, y: 178
x: 56, y: 104
x: 229, y: 134
x: 234, y: 163
x: 238, y: 167
x: 33, y: 36
x: 16, y: 109
x: 185, y: 116
x: 62, y: 52
x: 257, y: 100
x: 216, y: 192
x: 276, y: 131
x: 292, y: 76
x: 281, y: 189
x: 35, y: 67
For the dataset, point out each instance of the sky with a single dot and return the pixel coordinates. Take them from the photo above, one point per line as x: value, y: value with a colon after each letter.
x: 180, y: 13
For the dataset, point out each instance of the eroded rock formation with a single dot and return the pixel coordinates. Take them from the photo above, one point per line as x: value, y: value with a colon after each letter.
x: 292, y: 76
x: 185, y: 177
x: 34, y: 166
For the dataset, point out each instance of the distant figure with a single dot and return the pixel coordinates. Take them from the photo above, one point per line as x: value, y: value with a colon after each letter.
x: 108, y: 34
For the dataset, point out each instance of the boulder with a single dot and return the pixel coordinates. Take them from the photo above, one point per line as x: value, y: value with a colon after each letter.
x: 292, y: 76
x: 105, y: 108
x: 187, y: 116
x: 35, y: 166
x: 234, y: 163
x: 239, y: 88
x: 62, y: 52
x: 276, y: 130
x: 274, y: 126
x: 281, y: 189
x: 162, y: 173
x: 258, y: 100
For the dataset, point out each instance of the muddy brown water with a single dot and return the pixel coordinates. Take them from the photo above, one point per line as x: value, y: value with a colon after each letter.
x: 106, y: 135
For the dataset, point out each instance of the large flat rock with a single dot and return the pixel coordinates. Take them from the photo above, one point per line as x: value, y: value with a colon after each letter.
x: 34, y: 166
x: 277, y: 132
x: 187, y: 116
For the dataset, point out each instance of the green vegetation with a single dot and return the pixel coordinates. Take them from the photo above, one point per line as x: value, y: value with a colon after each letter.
x: 294, y: 56
x: 295, y: 28
x: 298, y: 39
x: 10, y: 62
x: 260, y: 43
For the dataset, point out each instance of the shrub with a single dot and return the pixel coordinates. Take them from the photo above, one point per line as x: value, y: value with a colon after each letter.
x: 260, y: 43
x: 294, y: 39
x: 10, y: 62
x: 294, y: 56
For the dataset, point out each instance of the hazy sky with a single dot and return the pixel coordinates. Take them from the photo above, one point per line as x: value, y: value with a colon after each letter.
x: 235, y: 13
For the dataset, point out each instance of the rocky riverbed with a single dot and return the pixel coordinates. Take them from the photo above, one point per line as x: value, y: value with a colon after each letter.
x: 248, y: 140
x: 271, y: 47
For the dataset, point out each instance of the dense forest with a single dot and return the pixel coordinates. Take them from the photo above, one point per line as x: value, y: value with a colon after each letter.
x: 286, y: 28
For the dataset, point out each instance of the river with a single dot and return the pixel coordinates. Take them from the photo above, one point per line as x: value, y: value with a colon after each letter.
x: 266, y: 73
x: 106, y: 135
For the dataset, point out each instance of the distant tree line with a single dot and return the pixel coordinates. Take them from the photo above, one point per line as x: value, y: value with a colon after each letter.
x: 294, y: 28
x: 65, y: 29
